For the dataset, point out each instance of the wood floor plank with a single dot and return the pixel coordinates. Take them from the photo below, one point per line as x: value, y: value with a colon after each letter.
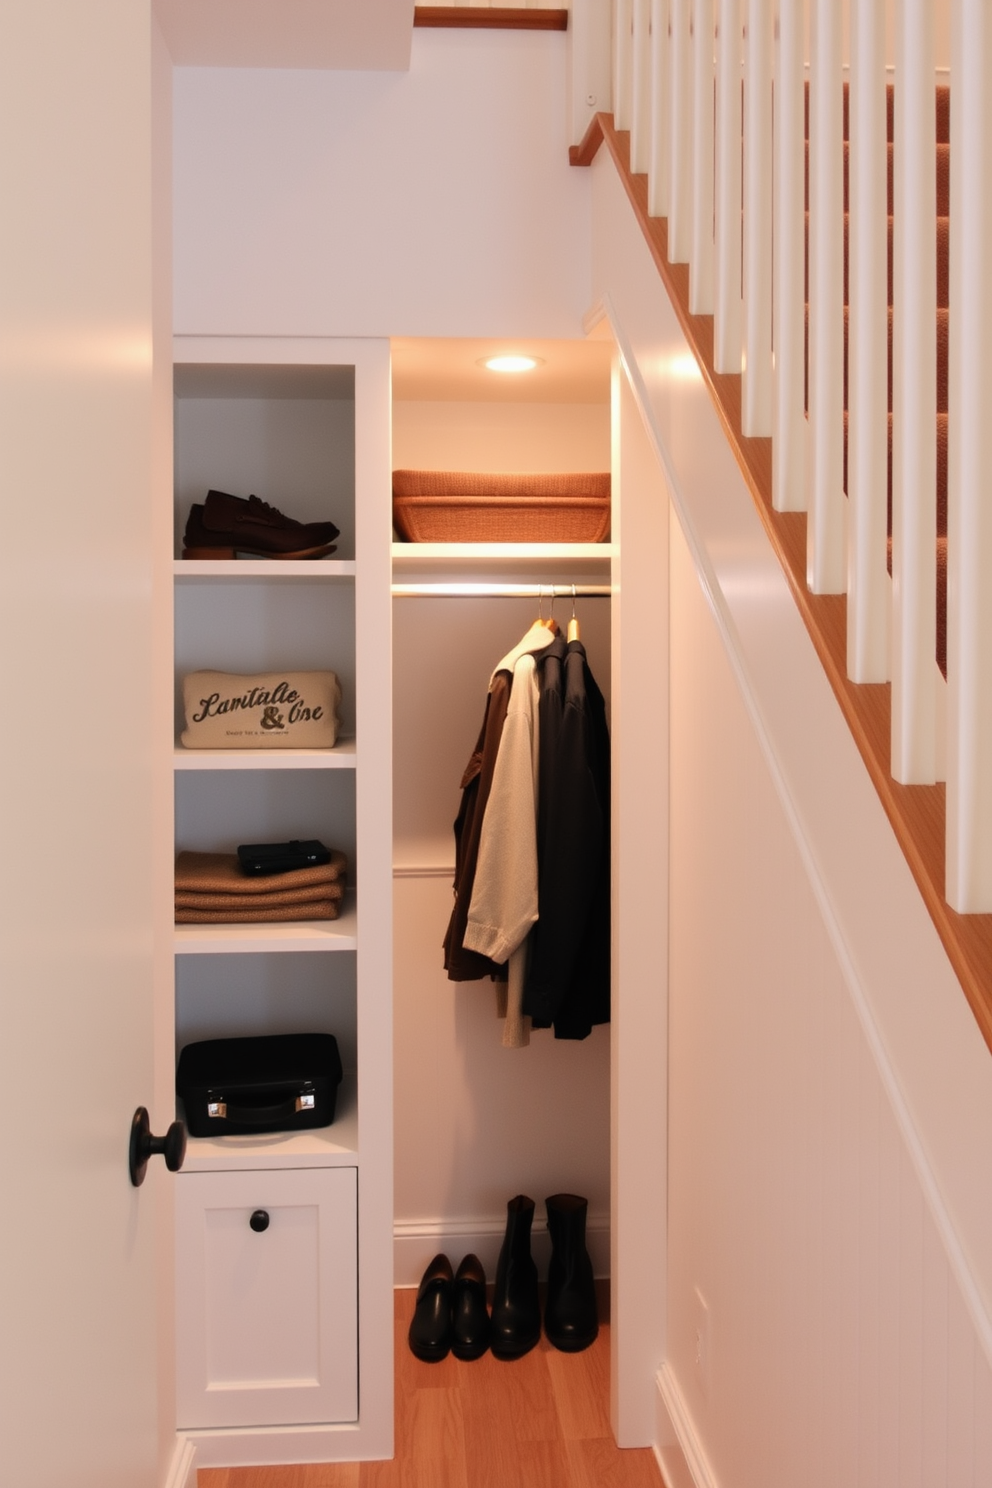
x: 513, y: 1397
x: 581, y: 1386
x: 601, y: 1464
x: 313, y: 1475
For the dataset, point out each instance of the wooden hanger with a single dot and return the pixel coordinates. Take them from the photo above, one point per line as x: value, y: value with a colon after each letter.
x: 573, y: 624
x: 540, y: 634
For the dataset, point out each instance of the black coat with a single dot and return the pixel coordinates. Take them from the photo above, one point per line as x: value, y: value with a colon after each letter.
x: 568, y: 982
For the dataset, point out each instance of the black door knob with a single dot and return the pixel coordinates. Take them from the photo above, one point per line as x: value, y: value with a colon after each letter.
x: 143, y: 1145
x: 259, y: 1221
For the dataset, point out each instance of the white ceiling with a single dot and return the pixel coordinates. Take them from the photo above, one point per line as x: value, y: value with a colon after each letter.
x: 447, y: 370
x: 366, y: 35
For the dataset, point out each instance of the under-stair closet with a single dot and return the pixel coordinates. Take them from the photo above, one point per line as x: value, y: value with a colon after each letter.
x: 477, y: 1123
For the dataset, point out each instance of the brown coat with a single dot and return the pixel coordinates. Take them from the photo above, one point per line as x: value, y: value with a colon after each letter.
x: 460, y: 964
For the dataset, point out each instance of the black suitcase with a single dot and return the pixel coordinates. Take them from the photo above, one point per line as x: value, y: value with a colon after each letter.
x: 277, y: 1082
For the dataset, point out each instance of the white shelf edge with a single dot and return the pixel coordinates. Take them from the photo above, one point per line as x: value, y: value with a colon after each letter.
x: 413, y: 555
x: 263, y: 568
x: 323, y: 1147
x: 527, y: 563
x: 342, y: 757
x: 279, y: 935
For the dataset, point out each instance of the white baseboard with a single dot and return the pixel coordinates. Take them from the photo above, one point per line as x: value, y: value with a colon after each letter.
x: 182, y: 1468
x: 679, y: 1449
x: 254, y: 1446
x: 416, y: 1241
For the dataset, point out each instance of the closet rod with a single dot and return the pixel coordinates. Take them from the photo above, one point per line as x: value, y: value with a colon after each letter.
x: 501, y: 591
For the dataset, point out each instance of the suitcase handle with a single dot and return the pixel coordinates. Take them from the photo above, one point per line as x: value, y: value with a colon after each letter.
x: 261, y: 1115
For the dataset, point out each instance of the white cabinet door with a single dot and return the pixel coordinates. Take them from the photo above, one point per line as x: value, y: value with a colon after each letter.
x: 267, y: 1316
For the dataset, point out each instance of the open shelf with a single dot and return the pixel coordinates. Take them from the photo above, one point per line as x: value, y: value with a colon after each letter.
x: 262, y: 568
x: 326, y: 1146
x: 341, y: 757
x: 280, y: 935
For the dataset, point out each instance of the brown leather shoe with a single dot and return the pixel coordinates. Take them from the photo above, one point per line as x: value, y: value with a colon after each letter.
x: 225, y: 525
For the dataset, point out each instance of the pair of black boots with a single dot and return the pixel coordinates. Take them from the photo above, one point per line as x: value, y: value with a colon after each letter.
x: 451, y: 1314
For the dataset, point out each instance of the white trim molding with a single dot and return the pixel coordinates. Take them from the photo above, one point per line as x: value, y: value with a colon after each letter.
x: 182, y: 1468
x: 679, y: 1448
x: 415, y: 1241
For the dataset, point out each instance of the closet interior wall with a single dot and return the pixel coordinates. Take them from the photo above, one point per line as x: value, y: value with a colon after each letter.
x: 476, y: 1123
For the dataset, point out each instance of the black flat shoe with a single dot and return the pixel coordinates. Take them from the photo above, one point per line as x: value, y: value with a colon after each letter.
x: 430, y: 1328
x: 469, y: 1315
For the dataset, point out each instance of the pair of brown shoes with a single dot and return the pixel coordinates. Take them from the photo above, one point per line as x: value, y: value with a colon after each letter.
x: 225, y: 525
x: 451, y: 1313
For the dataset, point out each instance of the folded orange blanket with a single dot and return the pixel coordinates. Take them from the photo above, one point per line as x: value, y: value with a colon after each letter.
x: 220, y: 873
x: 320, y: 909
x: 305, y: 894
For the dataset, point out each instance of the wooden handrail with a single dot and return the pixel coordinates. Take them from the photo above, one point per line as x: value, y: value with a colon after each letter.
x: 490, y: 18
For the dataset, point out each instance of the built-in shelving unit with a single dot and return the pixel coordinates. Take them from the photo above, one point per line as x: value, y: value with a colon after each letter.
x: 304, y: 425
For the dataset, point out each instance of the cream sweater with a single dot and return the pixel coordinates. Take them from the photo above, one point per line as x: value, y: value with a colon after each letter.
x: 504, y: 897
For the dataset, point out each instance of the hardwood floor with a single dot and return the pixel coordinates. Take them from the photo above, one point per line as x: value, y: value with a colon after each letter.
x: 539, y: 1422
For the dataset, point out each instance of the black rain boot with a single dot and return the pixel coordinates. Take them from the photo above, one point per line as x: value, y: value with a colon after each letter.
x: 516, y: 1314
x: 570, y: 1316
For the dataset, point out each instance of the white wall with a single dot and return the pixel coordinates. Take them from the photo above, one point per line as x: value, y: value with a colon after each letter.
x: 501, y: 436
x: 435, y: 202
x: 839, y: 1349
x: 831, y: 1094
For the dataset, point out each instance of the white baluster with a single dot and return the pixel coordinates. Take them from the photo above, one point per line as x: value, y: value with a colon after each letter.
x: 789, y: 287
x: 868, y: 590
x: 727, y: 310
x: 680, y: 136
x: 623, y: 63
x: 969, y: 556
x: 590, y: 48
x: 914, y: 400
x: 756, y: 388
x: 826, y: 551
x: 658, y: 166
x: 640, y: 125
x: 701, y: 266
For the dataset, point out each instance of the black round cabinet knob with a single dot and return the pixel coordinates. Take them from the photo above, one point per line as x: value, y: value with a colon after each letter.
x: 259, y: 1221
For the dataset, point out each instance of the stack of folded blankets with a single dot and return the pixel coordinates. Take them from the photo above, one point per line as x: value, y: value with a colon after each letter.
x: 212, y: 889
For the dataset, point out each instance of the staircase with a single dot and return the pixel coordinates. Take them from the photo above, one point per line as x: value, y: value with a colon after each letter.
x: 941, y: 830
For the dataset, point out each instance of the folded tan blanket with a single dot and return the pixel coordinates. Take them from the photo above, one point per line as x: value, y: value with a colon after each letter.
x: 220, y: 873
x: 319, y: 909
x: 307, y: 893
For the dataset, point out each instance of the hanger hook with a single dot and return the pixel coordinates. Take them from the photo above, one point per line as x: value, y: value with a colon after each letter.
x: 573, y: 601
x: 551, y: 609
x: 540, y: 603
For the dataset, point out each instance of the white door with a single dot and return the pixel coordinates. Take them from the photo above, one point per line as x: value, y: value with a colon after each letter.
x: 78, y: 1386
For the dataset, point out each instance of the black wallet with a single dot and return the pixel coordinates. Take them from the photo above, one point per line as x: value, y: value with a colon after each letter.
x: 281, y: 857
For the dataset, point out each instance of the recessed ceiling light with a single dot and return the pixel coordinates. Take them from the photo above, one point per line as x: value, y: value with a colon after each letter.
x: 511, y: 363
